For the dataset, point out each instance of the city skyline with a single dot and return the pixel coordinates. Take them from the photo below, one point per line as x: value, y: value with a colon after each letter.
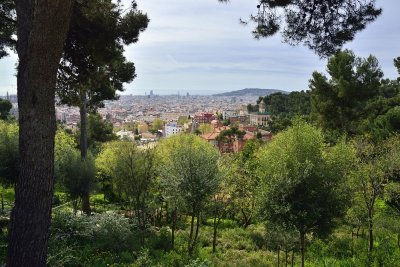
x: 201, y: 47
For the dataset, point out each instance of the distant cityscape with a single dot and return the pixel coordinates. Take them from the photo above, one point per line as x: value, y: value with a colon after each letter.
x: 178, y: 113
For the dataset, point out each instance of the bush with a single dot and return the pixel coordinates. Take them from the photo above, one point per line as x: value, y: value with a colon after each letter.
x: 106, y: 231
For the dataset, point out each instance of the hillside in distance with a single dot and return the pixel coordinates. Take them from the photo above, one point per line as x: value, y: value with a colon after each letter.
x: 252, y: 92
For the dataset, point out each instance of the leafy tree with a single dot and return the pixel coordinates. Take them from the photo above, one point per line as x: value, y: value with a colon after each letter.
x: 281, y: 238
x: 339, y: 103
x: 205, y: 128
x: 79, y: 177
x: 244, y: 182
x: 370, y: 184
x: 5, y: 107
x: 285, y: 107
x: 133, y: 172
x: 143, y: 127
x: 189, y: 172
x: 377, y: 165
x: 182, y: 120
x: 222, y: 198
x: 322, y: 26
x: 9, y: 157
x: 252, y: 108
x: 98, y: 131
x: 230, y: 134
x: 302, y: 182
x: 7, y: 26
x: 93, y: 67
x: 41, y: 30
x: 64, y: 146
x: 9, y: 169
x: 157, y: 124
x: 386, y: 125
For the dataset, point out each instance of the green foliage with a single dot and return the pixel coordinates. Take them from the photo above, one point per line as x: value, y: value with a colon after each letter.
x: 106, y: 237
x: 132, y: 170
x: 93, y: 64
x: 5, y: 107
x: 9, y: 155
x: 189, y: 176
x: 205, y: 128
x: 79, y: 175
x: 188, y: 168
x: 284, y: 108
x: 98, y: 131
x: 303, y: 183
x: 230, y: 134
x: 64, y: 146
x: 340, y: 102
x: 157, y: 124
x: 182, y: 120
x: 324, y: 26
x: 7, y: 26
x: 387, y: 124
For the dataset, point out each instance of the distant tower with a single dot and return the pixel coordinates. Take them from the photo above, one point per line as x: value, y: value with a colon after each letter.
x: 187, y: 94
x: 262, y: 107
x: 8, y: 97
x: 151, y: 92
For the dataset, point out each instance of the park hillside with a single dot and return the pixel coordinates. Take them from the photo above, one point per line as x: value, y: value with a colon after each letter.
x: 316, y: 183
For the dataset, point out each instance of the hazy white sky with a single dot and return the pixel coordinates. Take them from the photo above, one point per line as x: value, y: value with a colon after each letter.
x: 198, y: 46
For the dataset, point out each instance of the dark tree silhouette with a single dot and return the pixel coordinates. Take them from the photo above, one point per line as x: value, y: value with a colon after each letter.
x: 322, y: 25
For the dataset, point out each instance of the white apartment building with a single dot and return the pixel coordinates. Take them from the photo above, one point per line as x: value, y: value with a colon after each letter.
x: 172, y: 128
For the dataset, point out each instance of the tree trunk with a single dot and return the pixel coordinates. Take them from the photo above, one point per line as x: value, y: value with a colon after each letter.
x: 173, y: 227
x: 279, y: 258
x: 2, y: 202
x: 247, y: 220
x: 197, y: 229
x: 302, y: 247
x: 398, y: 240
x: 370, y: 230
x: 286, y: 257
x: 83, y: 129
x: 215, y: 234
x: 41, y: 29
x: 83, y: 140
x: 191, y: 232
x: 86, y: 204
x: 292, y: 261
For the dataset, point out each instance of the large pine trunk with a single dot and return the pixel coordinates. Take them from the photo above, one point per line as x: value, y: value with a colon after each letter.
x: 41, y: 28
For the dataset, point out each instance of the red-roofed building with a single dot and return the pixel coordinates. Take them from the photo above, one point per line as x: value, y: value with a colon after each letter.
x: 204, y: 118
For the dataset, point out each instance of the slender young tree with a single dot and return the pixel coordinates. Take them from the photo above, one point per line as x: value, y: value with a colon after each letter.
x: 41, y: 30
x: 189, y: 172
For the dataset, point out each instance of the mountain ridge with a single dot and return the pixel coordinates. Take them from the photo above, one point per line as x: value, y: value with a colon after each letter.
x: 252, y: 92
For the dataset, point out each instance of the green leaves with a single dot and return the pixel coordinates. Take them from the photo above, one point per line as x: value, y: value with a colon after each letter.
x: 302, y: 180
x: 9, y: 156
x: 188, y: 169
x: 323, y: 26
x: 340, y: 103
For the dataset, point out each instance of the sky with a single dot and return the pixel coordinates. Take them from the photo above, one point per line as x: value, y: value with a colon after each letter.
x: 199, y: 46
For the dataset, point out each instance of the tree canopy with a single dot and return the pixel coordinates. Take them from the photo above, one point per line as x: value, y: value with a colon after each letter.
x: 303, y: 183
x: 5, y: 107
x: 340, y: 102
x: 323, y: 26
